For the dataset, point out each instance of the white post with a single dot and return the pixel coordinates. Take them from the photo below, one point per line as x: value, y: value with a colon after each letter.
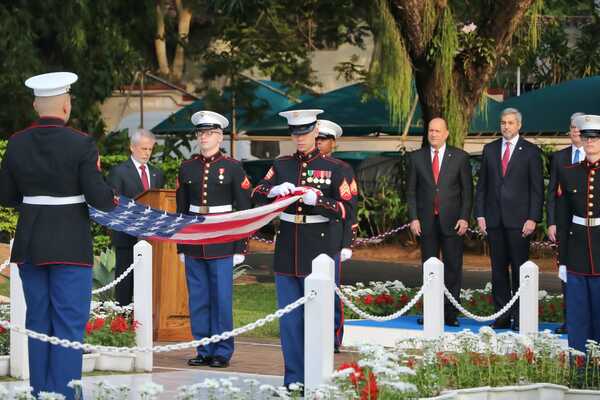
x: 528, y: 303
x: 433, y: 299
x: 318, y: 323
x: 142, y: 302
x: 19, y: 351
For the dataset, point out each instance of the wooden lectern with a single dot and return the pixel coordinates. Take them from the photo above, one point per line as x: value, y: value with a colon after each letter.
x: 171, y: 316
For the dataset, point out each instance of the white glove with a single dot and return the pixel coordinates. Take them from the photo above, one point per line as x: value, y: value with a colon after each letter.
x: 345, y: 254
x: 562, y: 273
x: 181, y: 257
x: 282, y: 190
x: 310, y: 197
x: 238, y: 259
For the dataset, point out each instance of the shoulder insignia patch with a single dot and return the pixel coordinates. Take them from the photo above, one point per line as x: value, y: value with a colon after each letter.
x: 344, y: 189
x: 353, y: 187
x: 245, y: 183
x: 270, y: 173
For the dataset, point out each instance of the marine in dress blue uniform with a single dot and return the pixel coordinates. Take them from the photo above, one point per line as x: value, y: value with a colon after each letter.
x: 49, y: 173
x: 329, y: 131
x: 307, y: 228
x: 211, y: 183
x: 578, y: 234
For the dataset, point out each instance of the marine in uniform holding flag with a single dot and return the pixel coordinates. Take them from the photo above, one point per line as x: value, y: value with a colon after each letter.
x: 578, y: 235
x: 49, y: 172
x: 211, y: 183
x: 329, y: 131
x: 308, y: 227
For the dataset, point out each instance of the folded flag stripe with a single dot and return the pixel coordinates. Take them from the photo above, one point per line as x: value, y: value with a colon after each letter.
x: 145, y: 222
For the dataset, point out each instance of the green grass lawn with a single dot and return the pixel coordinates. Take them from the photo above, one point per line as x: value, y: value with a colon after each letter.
x: 252, y: 302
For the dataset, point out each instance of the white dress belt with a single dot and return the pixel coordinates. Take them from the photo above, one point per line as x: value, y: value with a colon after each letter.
x: 303, y: 219
x: 586, y: 221
x: 210, y: 209
x: 53, y: 201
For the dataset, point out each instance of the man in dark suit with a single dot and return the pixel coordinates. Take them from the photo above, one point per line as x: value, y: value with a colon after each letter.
x: 131, y: 178
x: 440, y: 195
x: 573, y: 154
x: 508, y: 205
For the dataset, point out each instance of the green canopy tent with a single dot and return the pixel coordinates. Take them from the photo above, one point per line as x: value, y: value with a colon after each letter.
x: 361, y: 115
x: 548, y: 110
x: 268, y: 96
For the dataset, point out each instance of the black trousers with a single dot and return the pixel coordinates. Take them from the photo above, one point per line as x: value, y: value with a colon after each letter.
x: 451, y: 247
x: 124, y: 289
x: 508, y: 251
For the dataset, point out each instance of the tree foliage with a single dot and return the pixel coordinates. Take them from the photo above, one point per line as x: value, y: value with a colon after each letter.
x: 87, y: 37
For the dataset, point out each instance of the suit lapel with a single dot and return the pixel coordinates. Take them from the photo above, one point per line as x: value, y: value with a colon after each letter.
x: 498, y: 157
x: 152, y: 176
x: 427, y: 163
x: 445, y: 162
x: 135, y: 176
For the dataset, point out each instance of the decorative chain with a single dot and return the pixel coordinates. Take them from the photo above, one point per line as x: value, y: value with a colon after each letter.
x: 377, y: 239
x: 119, y: 279
x: 390, y: 317
x: 494, y: 316
x: 159, y: 349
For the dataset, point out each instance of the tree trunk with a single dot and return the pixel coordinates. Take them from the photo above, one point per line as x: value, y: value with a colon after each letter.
x: 185, y: 19
x: 160, y: 42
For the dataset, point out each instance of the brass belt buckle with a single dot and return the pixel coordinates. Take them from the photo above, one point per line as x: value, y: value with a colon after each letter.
x: 299, y: 219
x: 203, y: 210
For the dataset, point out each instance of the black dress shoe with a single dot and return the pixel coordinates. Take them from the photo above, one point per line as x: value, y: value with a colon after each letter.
x: 219, y: 362
x: 199, y: 361
x: 561, y: 330
x: 500, y: 324
x: 336, y: 349
x: 451, y: 322
x: 420, y: 321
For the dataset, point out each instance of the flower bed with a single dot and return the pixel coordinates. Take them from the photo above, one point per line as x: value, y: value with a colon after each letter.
x: 426, y: 368
x: 111, y: 325
x: 384, y: 298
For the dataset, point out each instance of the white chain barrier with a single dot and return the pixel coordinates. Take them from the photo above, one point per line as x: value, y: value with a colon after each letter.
x: 160, y: 349
x: 118, y: 280
x: 390, y: 317
x: 494, y: 316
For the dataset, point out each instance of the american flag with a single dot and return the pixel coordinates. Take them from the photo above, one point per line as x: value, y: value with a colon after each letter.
x: 149, y: 223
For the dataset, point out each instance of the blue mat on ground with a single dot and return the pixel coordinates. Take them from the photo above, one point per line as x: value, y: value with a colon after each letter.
x: 410, y: 322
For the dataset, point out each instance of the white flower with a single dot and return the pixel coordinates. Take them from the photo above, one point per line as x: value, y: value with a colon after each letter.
x: 400, y: 386
x: 150, y: 390
x: 23, y: 393
x: 542, y: 294
x: 469, y: 28
x: 50, y: 396
x: 75, y: 383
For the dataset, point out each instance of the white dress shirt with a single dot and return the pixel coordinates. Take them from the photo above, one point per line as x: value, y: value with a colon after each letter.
x: 513, y: 144
x: 581, y: 153
x: 139, y: 171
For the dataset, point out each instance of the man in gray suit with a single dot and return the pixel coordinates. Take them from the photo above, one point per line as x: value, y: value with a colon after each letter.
x: 440, y: 194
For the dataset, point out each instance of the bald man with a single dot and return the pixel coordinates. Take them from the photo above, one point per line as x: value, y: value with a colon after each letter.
x: 440, y: 194
x: 50, y: 172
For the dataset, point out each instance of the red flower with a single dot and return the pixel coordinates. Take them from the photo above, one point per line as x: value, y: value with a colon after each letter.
x: 380, y: 299
x: 119, y: 324
x: 368, y: 299
x: 513, y: 356
x: 358, y: 374
x: 411, y: 362
x: 490, y: 300
x: 134, y: 325
x: 562, y: 357
x: 88, y: 328
x: 580, y: 361
x: 528, y: 355
x: 98, y: 324
x: 369, y: 392
x: 403, y: 299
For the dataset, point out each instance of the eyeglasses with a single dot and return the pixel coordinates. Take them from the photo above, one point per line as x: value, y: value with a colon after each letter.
x: 207, y: 132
